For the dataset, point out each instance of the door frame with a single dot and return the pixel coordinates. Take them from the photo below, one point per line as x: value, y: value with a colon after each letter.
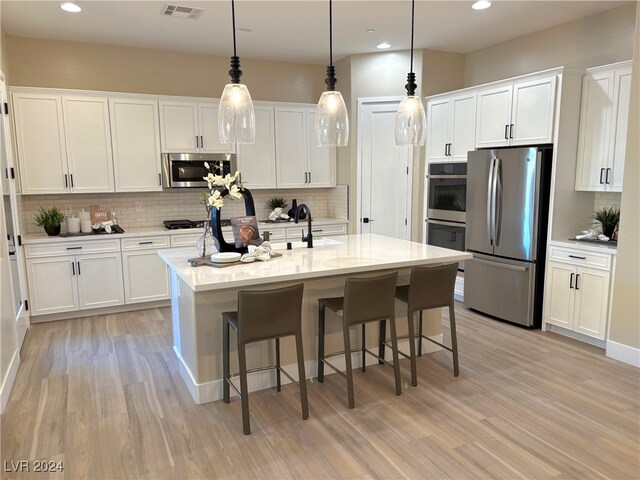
x: 362, y: 101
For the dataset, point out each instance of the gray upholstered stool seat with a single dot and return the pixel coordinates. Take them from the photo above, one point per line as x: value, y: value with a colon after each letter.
x: 366, y: 299
x: 264, y: 315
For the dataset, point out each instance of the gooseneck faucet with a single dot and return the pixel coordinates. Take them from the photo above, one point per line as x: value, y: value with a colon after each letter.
x: 309, y: 238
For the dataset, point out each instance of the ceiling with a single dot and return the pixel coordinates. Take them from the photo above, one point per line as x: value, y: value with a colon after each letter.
x: 294, y: 31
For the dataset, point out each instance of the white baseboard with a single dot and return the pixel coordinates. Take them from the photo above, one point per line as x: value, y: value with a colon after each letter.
x: 623, y: 353
x: 212, y: 391
x: 7, y: 384
x: 575, y: 335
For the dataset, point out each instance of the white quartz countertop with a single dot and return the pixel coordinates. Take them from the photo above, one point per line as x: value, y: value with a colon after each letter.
x: 354, y: 254
x: 161, y: 230
x: 603, y: 247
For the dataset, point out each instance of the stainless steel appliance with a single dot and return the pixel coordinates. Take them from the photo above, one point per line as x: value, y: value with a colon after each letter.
x: 507, y: 209
x: 186, y: 170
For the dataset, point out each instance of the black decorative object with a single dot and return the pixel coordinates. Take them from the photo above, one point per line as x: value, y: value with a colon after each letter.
x: 294, y: 207
x: 52, y: 231
x: 216, y: 226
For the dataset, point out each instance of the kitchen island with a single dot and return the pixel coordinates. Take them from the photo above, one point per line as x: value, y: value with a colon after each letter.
x: 200, y: 295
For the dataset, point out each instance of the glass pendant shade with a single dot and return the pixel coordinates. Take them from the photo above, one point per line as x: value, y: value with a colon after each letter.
x: 332, y: 120
x: 411, y: 122
x: 236, y: 116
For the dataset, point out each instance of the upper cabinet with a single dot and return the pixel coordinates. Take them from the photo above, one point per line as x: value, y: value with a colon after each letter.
x: 257, y: 161
x: 603, y: 128
x: 63, y: 143
x: 451, y: 127
x: 516, y: 113
x: 187, y: 127
x: 300, y: 162
x: 135, y: 136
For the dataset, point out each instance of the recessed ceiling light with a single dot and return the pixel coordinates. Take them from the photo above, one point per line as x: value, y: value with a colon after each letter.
x: 370, y: 30
x: 383, y: 46
x: 70, y: 7
x: 481, y: 4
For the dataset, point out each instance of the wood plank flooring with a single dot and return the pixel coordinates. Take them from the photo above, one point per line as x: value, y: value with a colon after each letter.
x: 104, y: 396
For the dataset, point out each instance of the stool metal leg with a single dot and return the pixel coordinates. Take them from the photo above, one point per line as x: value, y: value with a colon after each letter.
x: 420, y: 335
x: 225, y: 361
x: 302, y: 379
x: 244, y: 390
x: 412, y: 348
x: 278, y: 382
x: 382, y: 337
x: 321, y: 344
x: 347, y: 358
x: 394, y: 348
x: 364, y: 345
x: 454, y: 339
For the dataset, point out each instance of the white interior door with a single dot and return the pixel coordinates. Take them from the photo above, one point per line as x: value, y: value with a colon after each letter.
x: 385, y: 190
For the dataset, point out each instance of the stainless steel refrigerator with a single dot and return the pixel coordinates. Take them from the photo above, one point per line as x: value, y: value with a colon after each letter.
x: 507, y: 211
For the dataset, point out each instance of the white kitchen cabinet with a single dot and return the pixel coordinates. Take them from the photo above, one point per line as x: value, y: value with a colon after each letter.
x: 88, y: 142
x: 190, y: 127
x: 516, y: 113
x: 451, y: 127
x: 577, y: 292
x: 146, y: 277
x: 300, y: 162
x: 64, y: 143
x: 257, y: 161
x: 603, y: 128
x: 99, y: 278
x: 135, y: 138
x: 52, y: 285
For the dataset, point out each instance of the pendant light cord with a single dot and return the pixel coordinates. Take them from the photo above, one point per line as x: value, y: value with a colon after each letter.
x: 233, y: 20
x: 413, y: 22
x: 330, y: 33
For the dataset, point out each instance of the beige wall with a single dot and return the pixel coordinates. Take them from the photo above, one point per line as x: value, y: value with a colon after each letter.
x: 600, y: 39
x: 4, y: 58
x: 625, y: 314
x: 89, y: 66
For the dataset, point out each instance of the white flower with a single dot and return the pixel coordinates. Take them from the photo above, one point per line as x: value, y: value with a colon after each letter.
x: 206, y: 165
x: 215, y: 200
x: 234, y: 192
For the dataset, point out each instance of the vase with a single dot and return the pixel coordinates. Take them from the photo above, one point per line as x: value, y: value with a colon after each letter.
x: 52, y: 231
x: 294, y: 207
x: 206, y: 244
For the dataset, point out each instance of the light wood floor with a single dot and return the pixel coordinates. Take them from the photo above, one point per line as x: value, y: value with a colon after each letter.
x: 104, y: 395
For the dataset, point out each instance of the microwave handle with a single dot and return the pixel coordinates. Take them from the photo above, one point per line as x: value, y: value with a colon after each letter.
x: 448, y: 224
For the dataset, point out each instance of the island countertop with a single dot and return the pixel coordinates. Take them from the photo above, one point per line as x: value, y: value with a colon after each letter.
x: 341, y: 255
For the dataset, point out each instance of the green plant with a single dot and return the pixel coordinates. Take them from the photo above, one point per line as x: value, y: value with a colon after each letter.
x: 608, y: 219
x: 276, y: 202
x: 49, y: 218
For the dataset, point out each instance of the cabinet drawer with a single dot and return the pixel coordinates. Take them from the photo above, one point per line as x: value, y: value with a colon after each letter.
x: 145, y: 243
x: 185, y: 239
x: 294, y: 233
x: 275, y: 234
x: 579, y: 257
x: 71, y: 248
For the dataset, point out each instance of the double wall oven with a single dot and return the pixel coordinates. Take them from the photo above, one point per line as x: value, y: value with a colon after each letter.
x: 446, y: 205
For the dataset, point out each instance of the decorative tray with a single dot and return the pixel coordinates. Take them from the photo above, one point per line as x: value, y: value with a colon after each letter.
x: 114, y: 230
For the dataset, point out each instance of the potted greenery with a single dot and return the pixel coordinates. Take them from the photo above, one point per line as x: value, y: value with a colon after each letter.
x: 607, y: 219
x: 50, y: 220
x: 276, y: 202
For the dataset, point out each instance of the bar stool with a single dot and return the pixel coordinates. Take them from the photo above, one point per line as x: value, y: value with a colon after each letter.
x: 369, y: 299
x: 429, y: 287
x: 264, y: 315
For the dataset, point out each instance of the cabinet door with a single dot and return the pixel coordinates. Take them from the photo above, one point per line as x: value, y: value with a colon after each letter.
x: 493, y: 116
x: 559, y: 296
x: 88, y: 137
x: 595, y: 125
x: 42, y: 153
x: 52, y: 285
x: 463, y: 127
x: 179, y: 127
x: 592, y: 302
x: 146, y: 277
x: 100, y: 280
x: 620, y: 118
x: 257, y: 161
x: 533, y: 111
x: 291, y: 147
x: 136, y: 144
x: 321, y: 161
x: 438, y: 129
x: 208, y: 128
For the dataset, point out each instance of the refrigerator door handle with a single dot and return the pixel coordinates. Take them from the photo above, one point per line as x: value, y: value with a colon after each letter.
x: 497, y: 217
x: 507, y: 266
x: 490, y: 198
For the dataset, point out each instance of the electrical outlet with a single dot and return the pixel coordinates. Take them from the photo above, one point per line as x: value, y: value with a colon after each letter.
x: 138, y: 207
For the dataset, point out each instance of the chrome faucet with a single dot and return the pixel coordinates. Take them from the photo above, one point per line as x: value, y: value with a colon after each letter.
x: 309, y: 237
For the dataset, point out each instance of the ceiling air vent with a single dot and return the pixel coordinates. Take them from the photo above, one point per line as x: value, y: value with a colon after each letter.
x: 181, y: 11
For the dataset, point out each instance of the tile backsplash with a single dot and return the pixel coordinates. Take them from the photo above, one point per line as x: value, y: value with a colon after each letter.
x: 606, y: 200
x: 150, y: 209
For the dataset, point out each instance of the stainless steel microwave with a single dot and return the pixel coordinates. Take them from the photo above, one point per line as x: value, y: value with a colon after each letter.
x: 186, y: 170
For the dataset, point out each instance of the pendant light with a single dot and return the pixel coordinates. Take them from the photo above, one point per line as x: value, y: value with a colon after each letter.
x: 332, y: 120
x: 236, y: 117
x: 410, y: 118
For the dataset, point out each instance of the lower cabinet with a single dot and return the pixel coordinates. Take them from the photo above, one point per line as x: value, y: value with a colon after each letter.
x: 146, y: 277
x: 577, y: 293
x: 75, y: 282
